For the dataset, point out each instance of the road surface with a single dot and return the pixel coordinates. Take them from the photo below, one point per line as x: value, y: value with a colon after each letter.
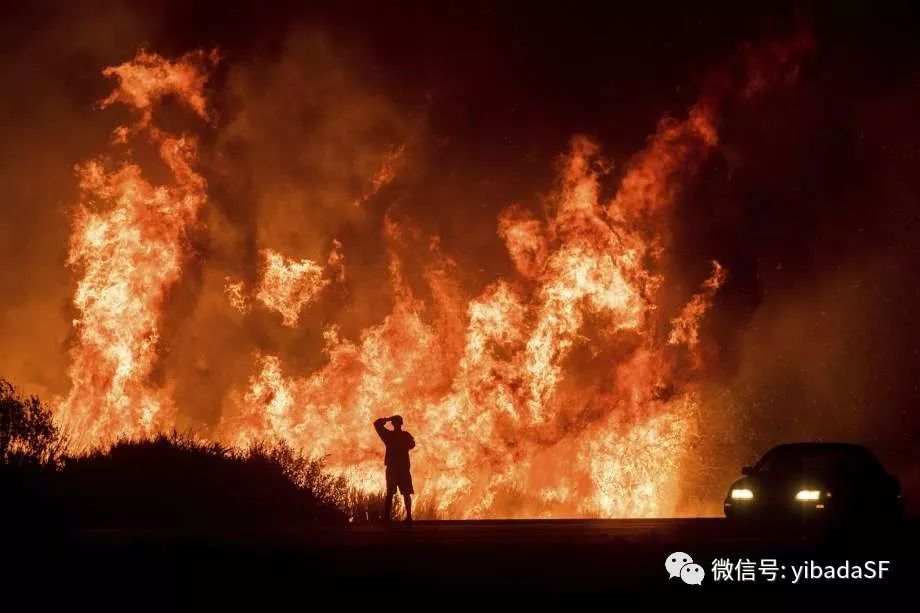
x: 526, y: 558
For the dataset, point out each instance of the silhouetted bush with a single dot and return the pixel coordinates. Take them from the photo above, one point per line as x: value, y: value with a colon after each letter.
x: 172, y: 481
x: 28, y: 435
x: 167, y: 481
x: 31, y: 449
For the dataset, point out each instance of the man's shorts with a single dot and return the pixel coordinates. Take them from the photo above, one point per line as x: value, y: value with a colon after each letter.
x: 399, y: 478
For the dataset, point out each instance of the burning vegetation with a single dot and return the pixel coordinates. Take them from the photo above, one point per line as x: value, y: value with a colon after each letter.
x: 568, y: 387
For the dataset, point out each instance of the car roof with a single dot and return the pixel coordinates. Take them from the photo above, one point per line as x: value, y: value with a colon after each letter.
x: 852, y: 449
x: 821, y: 446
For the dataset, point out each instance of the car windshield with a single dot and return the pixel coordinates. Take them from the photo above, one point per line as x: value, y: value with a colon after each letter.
x: 818, y: 460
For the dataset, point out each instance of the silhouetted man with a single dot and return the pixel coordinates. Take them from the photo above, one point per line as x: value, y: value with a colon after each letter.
x: 398, y: 443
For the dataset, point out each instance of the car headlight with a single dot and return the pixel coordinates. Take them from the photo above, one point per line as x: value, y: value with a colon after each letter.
x: 742, y: 494
x: 808, y: 495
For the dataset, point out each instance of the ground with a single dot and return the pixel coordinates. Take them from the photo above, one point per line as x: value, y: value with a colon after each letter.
x: 529, y: 558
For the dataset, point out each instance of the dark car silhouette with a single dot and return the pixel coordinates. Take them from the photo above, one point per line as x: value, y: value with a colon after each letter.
x: 815, y: 481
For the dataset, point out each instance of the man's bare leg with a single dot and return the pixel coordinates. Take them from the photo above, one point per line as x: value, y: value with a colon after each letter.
x: 388, y: 508
x: 408, y: 500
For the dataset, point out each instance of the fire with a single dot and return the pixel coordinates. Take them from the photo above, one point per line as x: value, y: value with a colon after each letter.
x: 497, y: 416
x: 563, y: 390
x: 384, y: 175
x: 236, y: 294
x: 287, y: 286
x: 128, y: 243
x: 686, y: 326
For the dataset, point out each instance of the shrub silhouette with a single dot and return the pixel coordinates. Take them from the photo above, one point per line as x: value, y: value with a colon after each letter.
x: 172, y: 481
x: 28, y: 435
x: 31, y: 448
x: 163, y: 482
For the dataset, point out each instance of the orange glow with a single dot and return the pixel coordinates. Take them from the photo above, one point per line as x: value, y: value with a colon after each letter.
x: 499, y: 418
x: 236, y: 294
x: 289, y: 285
x: 384, y: 175
x: 557, y: 391
x: 128, y: 246
x: 685, y: 328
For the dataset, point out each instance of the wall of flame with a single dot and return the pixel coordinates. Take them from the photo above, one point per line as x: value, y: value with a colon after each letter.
x: 562, y: 389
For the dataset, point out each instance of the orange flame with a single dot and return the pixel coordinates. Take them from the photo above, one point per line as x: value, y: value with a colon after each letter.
x: 288, y: 286
x: 384, y: 175
x: 235, y: 291
x: 498, y: 418
x: 551, y: 393
x: 685, y: 328
x: 128, y: 243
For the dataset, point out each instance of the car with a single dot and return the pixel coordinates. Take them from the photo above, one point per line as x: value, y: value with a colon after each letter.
x: 833, y: 482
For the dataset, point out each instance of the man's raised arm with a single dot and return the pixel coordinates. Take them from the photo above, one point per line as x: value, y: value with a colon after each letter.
x: 381, y: 431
